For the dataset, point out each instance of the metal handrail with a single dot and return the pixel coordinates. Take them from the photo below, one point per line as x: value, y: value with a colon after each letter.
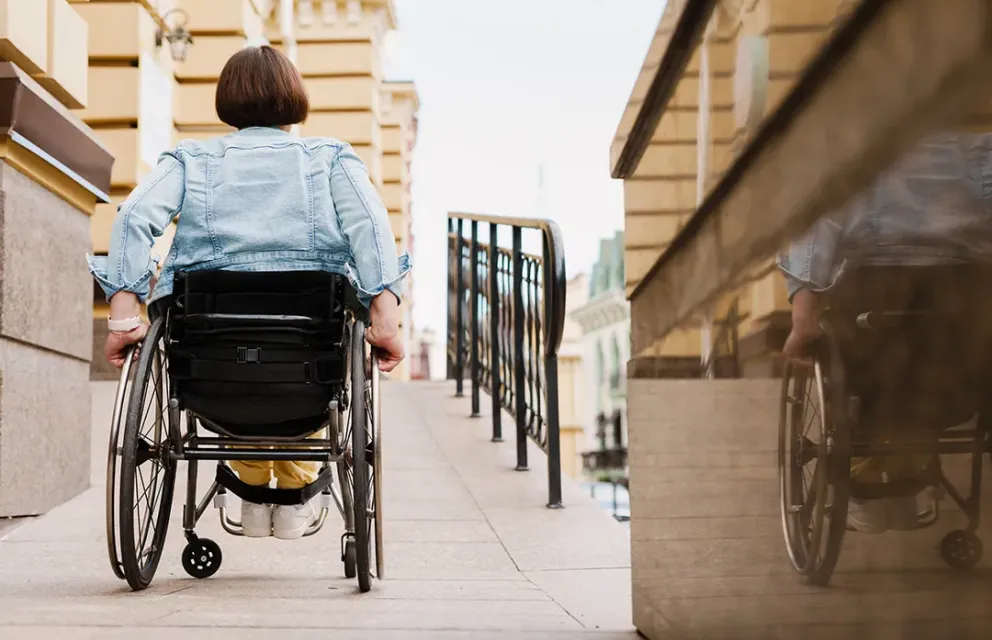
x: 554, y: 248
x: 509, y: 328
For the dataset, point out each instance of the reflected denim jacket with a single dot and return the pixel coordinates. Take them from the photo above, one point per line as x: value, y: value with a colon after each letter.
x: 259, y: 199
x: 932, y: 207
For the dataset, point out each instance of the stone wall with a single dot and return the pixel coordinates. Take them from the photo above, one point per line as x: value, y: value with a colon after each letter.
x: 45, y: 345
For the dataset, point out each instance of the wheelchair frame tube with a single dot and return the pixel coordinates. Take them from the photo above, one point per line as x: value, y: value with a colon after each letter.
x: 315, y: 444
x: 189, y: 509
x: 864, y: 449
x: 241, y: 453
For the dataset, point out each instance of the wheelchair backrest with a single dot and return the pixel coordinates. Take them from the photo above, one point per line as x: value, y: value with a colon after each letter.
x: 912, y: 341
x: 259, y: 354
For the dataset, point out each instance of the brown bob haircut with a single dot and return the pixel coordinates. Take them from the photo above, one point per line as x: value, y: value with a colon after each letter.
x: 260, y: 87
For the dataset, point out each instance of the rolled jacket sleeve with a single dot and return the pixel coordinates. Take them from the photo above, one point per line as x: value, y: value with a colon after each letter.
x: 374, y: 265
x: 143, y: 217
x: 809, y: 262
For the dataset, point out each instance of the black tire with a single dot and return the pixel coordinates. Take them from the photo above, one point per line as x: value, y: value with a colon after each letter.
x: 814, y: 516
x: 115, y: 449
x: 202, y: 558
x: 375, y: 450
x: 348, y: 558
x: 146, y: 446
x: 961, y: 550
x: 359, y: 466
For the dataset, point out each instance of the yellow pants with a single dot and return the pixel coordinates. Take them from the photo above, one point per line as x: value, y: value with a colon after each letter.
x: 892, y: 467
x: 879, y: 469
x: 289, y: 474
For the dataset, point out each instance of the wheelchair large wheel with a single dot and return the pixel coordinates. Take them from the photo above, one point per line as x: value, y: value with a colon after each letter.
x: 362, y: 467
x: 147, y: 474
x: 814, y: 465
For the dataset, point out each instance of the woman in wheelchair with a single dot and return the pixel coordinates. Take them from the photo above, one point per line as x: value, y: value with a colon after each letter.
x: 890, y: 299
x: 260, y: 199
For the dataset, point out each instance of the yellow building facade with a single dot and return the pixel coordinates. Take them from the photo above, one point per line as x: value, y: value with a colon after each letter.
x: 147, y: 102
x: 751, y: 54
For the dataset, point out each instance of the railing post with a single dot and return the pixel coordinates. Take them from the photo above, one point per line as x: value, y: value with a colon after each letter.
x: 519, y: 376
x: 494, y: 362
x: 551, y: 383
x: 450, y: 337
x: 459, y: 307
x: 474, y: 320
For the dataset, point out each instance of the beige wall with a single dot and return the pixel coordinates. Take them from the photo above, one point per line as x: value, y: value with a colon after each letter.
x: 400, y: 104
x: 131, y: 85
x: 47, y: 39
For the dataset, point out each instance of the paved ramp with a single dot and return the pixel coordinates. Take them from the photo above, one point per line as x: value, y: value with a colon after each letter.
x: 471, y: 553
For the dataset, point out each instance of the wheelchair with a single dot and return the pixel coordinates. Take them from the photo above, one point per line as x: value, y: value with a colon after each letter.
x: 896, y: 352
x: 272, y: 366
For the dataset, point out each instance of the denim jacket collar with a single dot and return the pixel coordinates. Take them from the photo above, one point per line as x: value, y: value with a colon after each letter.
x: 261, y: 131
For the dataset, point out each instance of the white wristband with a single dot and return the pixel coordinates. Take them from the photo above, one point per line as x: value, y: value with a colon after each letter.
x: 128, y: 324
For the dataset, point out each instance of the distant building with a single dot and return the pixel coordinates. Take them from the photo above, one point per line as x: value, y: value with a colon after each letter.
x: 420, y: 354
x: 605, y: 323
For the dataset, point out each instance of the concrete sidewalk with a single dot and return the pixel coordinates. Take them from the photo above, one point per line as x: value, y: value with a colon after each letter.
x: 471, y: 552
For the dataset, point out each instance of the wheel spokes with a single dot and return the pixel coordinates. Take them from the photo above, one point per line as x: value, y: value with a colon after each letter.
x: 151, y: 460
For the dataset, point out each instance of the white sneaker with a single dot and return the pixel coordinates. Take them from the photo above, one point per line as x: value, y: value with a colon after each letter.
x: 256, y: 520
x: 291, y: 522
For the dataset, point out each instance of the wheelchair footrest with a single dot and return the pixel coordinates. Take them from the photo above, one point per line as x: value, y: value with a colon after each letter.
x: 267, y: 495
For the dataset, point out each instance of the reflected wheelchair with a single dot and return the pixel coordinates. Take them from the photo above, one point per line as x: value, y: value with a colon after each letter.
x: 902, y: 369
x: 274, y: 366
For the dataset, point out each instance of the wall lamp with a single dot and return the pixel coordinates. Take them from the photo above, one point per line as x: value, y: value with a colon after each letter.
x: 178, y: 37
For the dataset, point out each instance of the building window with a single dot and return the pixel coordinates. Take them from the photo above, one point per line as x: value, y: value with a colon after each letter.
x: 601, y: 374
x: 616, y: 366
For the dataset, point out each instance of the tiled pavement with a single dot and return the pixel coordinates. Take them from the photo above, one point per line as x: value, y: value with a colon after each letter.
x: 472, y: 552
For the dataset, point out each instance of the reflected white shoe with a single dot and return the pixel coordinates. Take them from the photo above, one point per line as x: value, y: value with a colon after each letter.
x: 256, y: 520
x: 291, y: 522
x: 866, y: 516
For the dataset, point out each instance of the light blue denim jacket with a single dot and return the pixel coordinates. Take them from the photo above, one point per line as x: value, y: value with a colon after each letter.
x: 932, y: 207
x: 259, y: 199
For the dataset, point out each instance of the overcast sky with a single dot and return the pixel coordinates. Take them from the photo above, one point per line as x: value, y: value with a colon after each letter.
x: 505, y: 87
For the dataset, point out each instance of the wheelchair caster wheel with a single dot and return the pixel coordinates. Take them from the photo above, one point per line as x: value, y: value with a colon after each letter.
x: 201, y: 558
x: 350, y: 560
x: 961, y: 549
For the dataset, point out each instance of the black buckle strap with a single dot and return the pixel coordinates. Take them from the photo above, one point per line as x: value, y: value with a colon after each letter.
x: 322, y: 370
x: 252, y: 355
x: 249, y: 355
x: 325, y: 369
x: 267, y: 495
